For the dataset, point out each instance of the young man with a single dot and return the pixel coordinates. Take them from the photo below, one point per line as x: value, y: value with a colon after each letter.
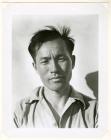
x: 57, y: 104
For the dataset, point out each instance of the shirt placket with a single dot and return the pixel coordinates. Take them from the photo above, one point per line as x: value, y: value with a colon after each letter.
x: 50, y: 114
x: 63, y: 115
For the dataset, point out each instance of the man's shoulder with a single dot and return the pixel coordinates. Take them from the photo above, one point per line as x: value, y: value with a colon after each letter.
x: 88, y: 98
x: 35, y: 95
x: 89, y: 101
x: 33, y: 98
x: 23, y: 107
x: 91, y: 110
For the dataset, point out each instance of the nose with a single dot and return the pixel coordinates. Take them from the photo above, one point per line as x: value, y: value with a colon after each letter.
x: 54, y: 66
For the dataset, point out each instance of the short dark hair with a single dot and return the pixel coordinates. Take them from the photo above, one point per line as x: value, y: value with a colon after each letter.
x: 49, y: 34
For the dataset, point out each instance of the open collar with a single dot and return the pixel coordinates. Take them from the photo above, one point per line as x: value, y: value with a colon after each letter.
x: 38, y: 95
x: 75, y: 95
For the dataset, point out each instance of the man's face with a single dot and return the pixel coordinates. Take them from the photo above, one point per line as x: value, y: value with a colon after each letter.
x: 54, y: 64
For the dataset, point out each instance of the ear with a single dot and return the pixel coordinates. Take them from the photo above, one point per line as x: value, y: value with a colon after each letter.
x: 73, y: 61
x: 34, y: 65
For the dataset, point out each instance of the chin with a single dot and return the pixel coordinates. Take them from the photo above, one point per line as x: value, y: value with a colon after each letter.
x: 56, y: 88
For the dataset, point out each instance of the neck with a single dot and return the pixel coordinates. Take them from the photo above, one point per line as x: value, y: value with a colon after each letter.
x: 57, y: 99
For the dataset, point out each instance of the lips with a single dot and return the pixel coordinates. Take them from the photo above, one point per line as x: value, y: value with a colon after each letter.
x: 56, y: 78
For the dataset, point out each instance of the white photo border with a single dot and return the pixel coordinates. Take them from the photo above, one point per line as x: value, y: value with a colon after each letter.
x: 68, y: 8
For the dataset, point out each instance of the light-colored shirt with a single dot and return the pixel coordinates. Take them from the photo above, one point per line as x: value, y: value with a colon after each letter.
x: 79, y: 111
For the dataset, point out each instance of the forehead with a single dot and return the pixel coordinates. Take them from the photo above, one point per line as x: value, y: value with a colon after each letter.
x: 55, y: 47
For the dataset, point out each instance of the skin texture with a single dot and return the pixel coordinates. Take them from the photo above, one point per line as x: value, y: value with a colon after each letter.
x: 54, y: 64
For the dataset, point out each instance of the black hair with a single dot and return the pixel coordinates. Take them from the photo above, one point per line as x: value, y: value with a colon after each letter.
x: 49, y: 34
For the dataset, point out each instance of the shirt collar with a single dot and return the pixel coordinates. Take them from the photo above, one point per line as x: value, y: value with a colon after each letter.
x: 75, y: 95
x: 38, y: 95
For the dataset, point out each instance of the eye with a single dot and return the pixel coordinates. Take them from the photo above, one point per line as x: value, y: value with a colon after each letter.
x: 44, y: 61
x: 61, y: 58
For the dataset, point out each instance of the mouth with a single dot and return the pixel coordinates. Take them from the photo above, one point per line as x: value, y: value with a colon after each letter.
x: 57, y: 78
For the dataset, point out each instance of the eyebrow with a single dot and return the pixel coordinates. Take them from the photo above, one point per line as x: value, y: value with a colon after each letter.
x: 42, y: 58
x: 50, y: 57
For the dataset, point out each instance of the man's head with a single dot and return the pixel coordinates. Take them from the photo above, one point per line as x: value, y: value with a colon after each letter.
x: 52, y: 54
x: 49, y: 34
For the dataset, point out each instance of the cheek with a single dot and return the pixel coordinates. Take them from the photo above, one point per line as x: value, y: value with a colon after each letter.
x: 43, y: 72
x: 66, y: 67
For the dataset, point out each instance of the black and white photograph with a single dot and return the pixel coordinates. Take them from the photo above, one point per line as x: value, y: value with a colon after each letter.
x: 55, y: 67
x: 56, y: 104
